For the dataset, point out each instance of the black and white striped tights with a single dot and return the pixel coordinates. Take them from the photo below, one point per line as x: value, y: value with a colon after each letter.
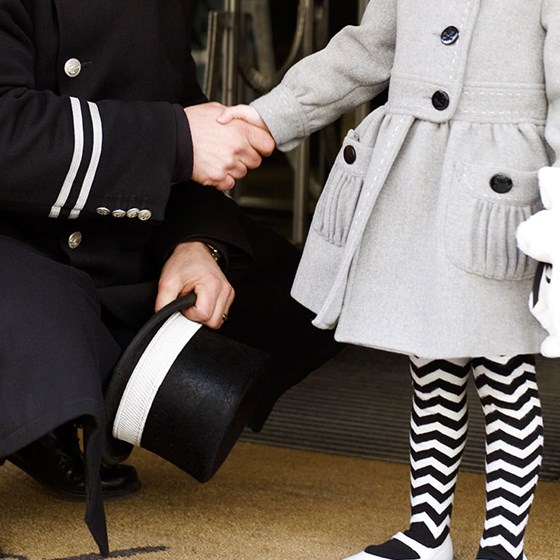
x: 509, y: 397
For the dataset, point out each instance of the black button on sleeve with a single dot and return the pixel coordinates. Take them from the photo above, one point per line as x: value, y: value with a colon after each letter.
x: 349, y: 155
x: 440, y: 100
x: 449, y: 35
x: 501, y: 183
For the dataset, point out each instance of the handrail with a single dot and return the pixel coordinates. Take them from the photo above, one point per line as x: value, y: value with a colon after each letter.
x: 262, y: 82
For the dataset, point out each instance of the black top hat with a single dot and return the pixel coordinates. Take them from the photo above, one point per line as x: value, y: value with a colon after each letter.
x: 182, y: 391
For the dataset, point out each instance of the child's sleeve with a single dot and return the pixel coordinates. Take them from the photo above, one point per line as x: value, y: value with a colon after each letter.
x: 353, y: 68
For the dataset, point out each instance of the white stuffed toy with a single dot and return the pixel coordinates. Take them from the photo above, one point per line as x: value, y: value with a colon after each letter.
x: 539, y: 237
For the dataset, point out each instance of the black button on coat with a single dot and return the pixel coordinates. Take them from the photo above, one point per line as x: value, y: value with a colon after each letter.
x: 501, y: 183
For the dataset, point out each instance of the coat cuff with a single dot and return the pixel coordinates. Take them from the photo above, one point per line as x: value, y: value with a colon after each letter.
x: 184, y: 157
x: 282, y: 114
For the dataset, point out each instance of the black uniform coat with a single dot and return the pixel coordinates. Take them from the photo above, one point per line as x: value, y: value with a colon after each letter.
x: 91, y: 97
x: 95, y: 191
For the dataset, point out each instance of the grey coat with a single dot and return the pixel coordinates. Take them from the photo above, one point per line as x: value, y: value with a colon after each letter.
x: 412, y: 246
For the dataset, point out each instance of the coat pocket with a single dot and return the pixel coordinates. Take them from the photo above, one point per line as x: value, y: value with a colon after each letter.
x: 336, y: 205
x: 486, y: 205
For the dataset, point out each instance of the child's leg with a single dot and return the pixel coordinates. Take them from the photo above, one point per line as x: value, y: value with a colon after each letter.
x: 438, y: 432
x: 514, y: 437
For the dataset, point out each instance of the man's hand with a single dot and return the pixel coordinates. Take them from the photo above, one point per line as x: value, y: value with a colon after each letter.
x: 191, y: 268
x: 223, y: 153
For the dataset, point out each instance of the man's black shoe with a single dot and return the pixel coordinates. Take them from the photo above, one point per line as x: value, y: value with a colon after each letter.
x: 58, y: 467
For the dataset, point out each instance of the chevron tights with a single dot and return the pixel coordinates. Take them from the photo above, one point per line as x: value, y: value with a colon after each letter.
x: 509, y: 397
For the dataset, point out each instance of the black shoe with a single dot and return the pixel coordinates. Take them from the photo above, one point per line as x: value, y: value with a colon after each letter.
x: 58, y: 467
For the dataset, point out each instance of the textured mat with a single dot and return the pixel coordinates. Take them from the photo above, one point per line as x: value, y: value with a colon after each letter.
x: 358, y: 404
x: 265, y: 503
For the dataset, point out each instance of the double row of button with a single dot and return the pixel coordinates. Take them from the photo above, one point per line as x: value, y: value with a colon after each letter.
x: 142, y: 215
x: 440, y: 99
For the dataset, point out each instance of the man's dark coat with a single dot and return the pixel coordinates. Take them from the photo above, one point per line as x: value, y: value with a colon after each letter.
x: 95, y: 191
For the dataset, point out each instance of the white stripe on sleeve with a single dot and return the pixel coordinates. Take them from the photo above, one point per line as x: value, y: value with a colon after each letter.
x: 94, y: 162
x: 76, y: 158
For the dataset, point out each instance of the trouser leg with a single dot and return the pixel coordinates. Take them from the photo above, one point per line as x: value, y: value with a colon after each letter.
x: 509, y: 396
x: 55, y: 350
x: 265, y: 316
x: 55, y: 353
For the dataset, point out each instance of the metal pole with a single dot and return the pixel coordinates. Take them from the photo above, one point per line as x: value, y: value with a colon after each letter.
x: 301, y: 178
x: 230, y: 82
x: 214, y: 47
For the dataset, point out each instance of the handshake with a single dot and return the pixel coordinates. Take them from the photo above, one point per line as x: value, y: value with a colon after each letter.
x: 227, y: 142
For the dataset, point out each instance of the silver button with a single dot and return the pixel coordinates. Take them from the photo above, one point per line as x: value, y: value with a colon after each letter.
x: 118, y: 213
x: 103, y: 211
x: 144, y: 215
x: 133, y: 213
x: 72, y: 67
x: 74, y: 240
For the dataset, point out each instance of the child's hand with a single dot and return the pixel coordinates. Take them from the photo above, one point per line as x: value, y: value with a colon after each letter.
x: 243, y: 112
